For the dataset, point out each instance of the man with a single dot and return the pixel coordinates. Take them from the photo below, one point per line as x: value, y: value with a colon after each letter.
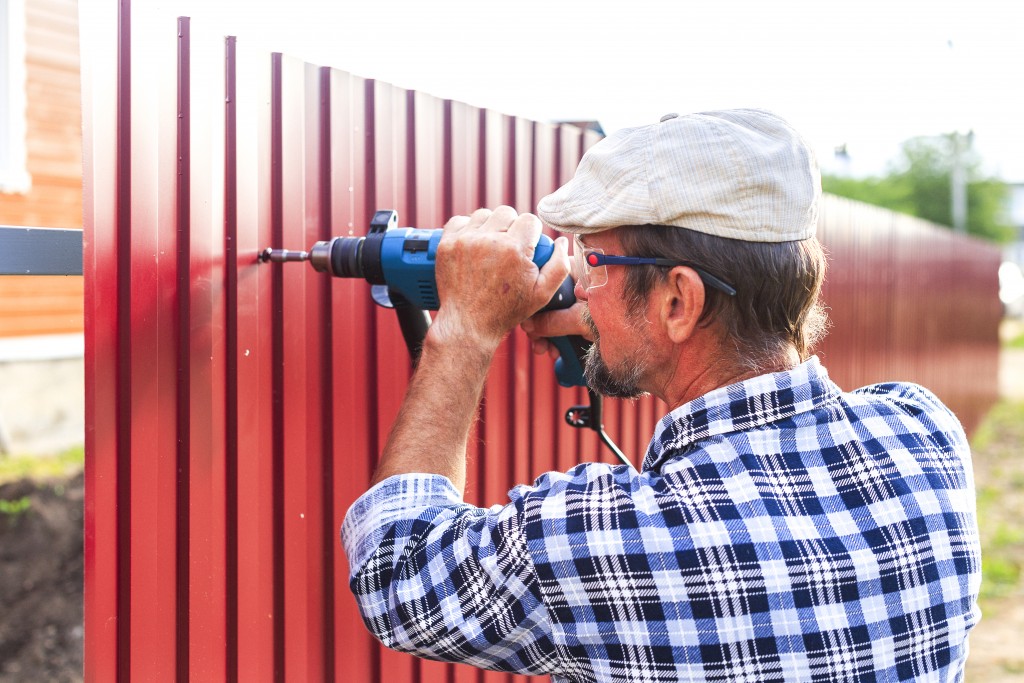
x: 779, y: 529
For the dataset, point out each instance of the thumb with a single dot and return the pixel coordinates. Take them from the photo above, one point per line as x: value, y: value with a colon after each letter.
x: 554, y: 272
x: 560, y: 323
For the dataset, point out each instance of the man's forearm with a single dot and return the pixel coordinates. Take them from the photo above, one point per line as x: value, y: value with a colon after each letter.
x: 430, y: 433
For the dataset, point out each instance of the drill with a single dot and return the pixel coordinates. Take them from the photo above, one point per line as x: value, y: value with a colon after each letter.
x: 399, y: 264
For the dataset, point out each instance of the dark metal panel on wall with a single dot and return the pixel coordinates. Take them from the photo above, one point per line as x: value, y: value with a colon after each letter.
x: 236, y: 409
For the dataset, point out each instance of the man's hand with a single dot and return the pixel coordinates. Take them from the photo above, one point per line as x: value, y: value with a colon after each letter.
x: 486, y: 280
x: 561, y: 323
x: 487, y: 283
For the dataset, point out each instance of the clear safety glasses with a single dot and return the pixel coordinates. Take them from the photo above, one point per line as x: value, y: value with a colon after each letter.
x: 591, y: 267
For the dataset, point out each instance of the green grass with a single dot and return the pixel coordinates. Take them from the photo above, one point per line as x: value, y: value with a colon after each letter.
x: 13, y: 508
x: 999, y: 470
x: 41, y: 467
x: 1012, y: 333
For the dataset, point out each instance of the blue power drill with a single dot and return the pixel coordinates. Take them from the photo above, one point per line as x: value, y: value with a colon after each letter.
x: 399, y: 263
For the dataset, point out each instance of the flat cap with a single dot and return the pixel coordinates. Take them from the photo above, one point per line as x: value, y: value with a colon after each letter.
x: 742, y: 173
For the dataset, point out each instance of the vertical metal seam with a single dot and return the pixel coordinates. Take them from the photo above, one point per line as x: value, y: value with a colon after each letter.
x: 370, y: 195
x: 277, y: 354
x: 410, y: 157
x: 511, y: 183
x: 123, y: 399
x: 412, y: 219
x: 447, y: 182
x: 532, y: 363
x: 327, y: 396
x: 481, y: 200
x: 558, y: 434
x: 183, y: 380
x: 231, y: 358
x: 481, y: 158
x: 447, y: 209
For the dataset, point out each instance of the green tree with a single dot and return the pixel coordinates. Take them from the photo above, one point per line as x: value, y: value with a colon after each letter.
x: 918, y: 183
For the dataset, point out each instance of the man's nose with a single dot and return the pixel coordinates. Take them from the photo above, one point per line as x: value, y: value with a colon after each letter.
x: 580, y: 291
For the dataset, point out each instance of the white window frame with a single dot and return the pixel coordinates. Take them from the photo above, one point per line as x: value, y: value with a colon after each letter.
x: 14, y: 176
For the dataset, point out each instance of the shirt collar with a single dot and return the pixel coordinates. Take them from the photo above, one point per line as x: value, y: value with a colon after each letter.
x: 742, y: 406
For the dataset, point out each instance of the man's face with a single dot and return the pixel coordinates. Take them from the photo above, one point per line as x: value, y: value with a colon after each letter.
x: 619, y: 361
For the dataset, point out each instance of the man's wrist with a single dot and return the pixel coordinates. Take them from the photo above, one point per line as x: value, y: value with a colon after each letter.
x: 445, y: 333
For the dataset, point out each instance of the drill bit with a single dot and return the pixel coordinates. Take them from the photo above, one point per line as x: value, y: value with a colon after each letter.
x: 283, y: 255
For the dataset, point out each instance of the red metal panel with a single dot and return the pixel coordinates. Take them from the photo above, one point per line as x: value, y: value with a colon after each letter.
x: 236, y: 410
x: 546, y: 403
x: 355, y: 440
x: 201, y: 345
x: 521, y: 171
x: 102, y: 538
x: 386, y: 175
x: 249, y: 380
x: 465, y: 187
x: 153, y: 387
x: 497, y: 423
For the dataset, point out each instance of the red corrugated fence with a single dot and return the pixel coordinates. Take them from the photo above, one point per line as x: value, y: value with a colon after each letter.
x: 235, y: 410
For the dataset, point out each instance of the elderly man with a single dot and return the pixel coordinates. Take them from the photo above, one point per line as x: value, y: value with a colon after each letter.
x: 779, y: 529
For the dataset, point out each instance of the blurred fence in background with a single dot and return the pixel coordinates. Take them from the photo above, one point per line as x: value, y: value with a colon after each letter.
x: 911, y: 301
x: 235, y: 410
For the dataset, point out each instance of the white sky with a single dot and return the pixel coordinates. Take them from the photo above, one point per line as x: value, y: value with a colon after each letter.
x: 868, y: 73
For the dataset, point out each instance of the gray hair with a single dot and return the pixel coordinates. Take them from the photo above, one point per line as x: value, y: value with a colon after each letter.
x: 777, y: 285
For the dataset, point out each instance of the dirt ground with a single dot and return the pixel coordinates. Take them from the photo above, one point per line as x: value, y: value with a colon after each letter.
x: 41, y: 634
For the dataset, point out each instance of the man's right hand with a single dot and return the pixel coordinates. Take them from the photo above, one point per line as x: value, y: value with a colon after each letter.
x: 561, y: 323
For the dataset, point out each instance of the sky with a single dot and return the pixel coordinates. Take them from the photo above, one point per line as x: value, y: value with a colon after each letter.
x: 867, y: 74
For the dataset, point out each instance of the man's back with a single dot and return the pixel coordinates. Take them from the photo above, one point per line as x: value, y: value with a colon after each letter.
x: 780, y: 530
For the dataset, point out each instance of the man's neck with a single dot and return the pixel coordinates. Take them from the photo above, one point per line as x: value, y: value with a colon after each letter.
x: 703, y: 368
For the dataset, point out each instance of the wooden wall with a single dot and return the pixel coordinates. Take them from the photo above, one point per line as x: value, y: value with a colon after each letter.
x: 48, y: 305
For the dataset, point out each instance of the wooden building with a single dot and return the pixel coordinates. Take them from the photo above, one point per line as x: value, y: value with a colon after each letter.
x: 41, y: 185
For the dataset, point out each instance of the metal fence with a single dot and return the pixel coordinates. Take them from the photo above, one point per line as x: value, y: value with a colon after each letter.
x: 236, y: 409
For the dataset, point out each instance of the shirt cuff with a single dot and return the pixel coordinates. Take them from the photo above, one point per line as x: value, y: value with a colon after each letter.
x: 401, y: 497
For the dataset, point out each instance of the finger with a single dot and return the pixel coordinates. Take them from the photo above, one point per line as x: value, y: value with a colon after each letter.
x: 539, y: 346
x: 527, y: 229
x: 563, y: 323
x: 500, y: 219
x: 456, y: 223
x: 478, y: 218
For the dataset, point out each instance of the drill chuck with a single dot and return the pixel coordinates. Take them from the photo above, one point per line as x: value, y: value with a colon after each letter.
x: 338, y: 257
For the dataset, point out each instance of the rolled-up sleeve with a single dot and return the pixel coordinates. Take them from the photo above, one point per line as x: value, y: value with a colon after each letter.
x: 444, y: 580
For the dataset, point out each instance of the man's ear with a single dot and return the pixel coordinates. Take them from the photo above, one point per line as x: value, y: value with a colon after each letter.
x: 682, y: 303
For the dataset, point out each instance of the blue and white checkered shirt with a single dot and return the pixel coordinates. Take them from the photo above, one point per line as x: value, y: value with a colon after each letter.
x: 780, y: 530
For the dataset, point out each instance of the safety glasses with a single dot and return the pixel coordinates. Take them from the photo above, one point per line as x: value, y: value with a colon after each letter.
x: 591, y: 267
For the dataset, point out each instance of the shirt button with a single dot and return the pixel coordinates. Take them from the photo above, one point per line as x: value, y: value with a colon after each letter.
x: 668, y: 117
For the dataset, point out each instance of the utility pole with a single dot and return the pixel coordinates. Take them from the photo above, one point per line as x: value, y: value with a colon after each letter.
x: 961, y: 145
x: 957, y: 180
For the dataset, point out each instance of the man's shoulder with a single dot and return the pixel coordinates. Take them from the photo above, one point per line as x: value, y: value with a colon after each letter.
x: 907, y: 405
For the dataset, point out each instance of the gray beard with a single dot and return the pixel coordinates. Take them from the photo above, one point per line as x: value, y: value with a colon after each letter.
x: 619, y: 383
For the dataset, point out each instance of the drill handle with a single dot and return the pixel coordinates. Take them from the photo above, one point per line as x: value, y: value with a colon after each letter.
x: 413, y: 322
x: 569, y: 366
x: 572, y: 349
x: 563, y: 298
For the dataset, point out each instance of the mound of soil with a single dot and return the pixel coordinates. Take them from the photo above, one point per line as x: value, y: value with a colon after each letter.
x: 41, y: 580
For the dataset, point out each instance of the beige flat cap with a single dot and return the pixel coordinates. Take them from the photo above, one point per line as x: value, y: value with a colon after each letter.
x: 743, y: 174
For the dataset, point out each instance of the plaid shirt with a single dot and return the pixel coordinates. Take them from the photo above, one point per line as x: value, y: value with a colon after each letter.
x: 780, y: 530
